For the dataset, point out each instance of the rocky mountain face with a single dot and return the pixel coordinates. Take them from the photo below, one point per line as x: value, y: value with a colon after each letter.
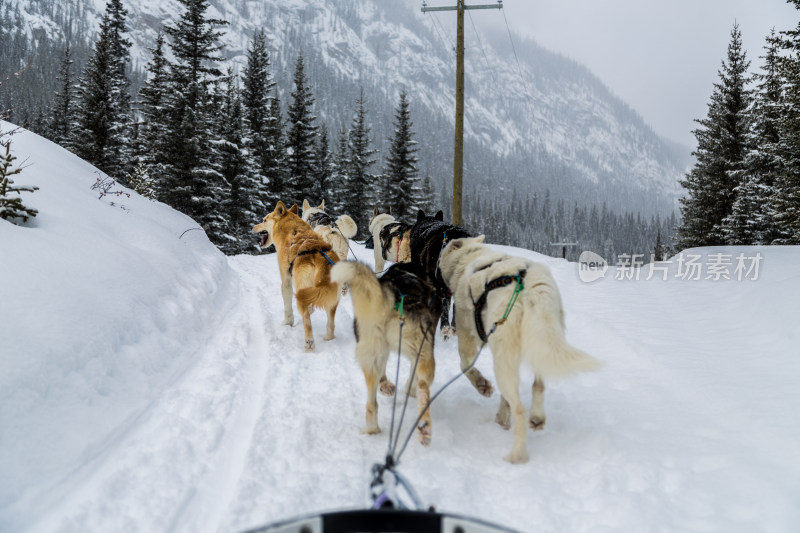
x: 544, y: 123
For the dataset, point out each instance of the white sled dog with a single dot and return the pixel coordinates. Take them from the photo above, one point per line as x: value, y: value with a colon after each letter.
x: 334, y: 232
x: 377, y: 329
x: 483, y: 282
x: 391, y: 239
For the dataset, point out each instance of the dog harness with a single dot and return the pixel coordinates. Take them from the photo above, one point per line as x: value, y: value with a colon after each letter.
x: 398, y: 231
x: 309, y: 252
x: 496, y: 283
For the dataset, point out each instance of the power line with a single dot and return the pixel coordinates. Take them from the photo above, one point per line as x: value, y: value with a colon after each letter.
x: 514, y: 49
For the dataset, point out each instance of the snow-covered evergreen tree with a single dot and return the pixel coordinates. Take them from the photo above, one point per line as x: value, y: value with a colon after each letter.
x: 403, y: 191
x: 151, y: 142
x: 243, y: 202
x: 256, y: 99
x: 751, y: 220
x: 721, y: 149
x: 141, y: 181
x: 787, y: 197
x: 300, y: 139
x: 338, y: 200
x: 323, y: 173
x: 189, y: 183
x: 103, y: 110
x: 62, y: 114
x: 360, y: 191
x: 11, y: 207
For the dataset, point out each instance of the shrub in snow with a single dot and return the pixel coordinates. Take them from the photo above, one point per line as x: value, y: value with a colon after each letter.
x: 141, y: 182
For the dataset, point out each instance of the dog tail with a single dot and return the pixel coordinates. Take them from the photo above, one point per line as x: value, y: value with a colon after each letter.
x: 324, y: 294
x: 347, y: 226
x: 543, y: 335
x: 364, y: 286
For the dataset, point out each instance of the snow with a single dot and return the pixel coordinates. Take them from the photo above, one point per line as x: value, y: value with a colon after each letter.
x: 147, y: 384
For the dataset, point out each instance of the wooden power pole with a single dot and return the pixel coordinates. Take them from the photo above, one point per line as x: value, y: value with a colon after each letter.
x: 458, y: 155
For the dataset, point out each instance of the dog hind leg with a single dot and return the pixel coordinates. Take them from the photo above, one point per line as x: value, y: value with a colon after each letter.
x: 425, y: 373
x: 329, y: 333
x: 286, y: 292
x: 508, y: 382
x: 305, y: 312
x: 371, y: 360
x: 537, y: 416
x: 503, y: 416
x: 467, y: 350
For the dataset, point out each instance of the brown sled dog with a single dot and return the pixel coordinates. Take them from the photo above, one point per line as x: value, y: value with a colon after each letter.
x: 305, y: 259
x: 377, y: 328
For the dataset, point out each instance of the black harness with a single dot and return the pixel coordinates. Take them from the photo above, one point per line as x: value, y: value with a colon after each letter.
x: 321, y: 219
x: 309, y: 252
x: 496, y: 283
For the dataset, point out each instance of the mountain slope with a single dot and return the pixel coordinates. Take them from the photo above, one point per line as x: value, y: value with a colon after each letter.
x: 551, y: 125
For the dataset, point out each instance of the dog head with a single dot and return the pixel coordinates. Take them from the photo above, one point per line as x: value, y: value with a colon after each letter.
x: 308, y: 210
x: 266, y: 228
x: 379, y: 220
x: 455, y: 256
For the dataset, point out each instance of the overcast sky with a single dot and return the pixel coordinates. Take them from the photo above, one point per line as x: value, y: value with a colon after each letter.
x: 661, y: 57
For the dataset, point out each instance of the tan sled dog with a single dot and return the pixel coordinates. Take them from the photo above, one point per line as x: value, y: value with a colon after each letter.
x: 377, y: 328
x: 303, y: 257
x: 335, y: 232
x: 483, y: 282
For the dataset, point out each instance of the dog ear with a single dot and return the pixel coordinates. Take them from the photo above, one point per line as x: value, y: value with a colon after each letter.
x: 456, y: 244
x: 306, y: 205
x: 390, y: 210
x: 293, y: 209
x: 374, y: 211
x: 420, y: 215
x: 280, y: 208
x: 480, y: 238
x: 322, y: 205
x: 439, y: 215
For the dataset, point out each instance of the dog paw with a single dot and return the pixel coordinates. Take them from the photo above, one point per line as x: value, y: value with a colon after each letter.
x: 424, y: 433
x: 387, y: 388
x: 503, y: 419
x: 448, y: 332
x: 536, y: 423
x: 309, y: 345
x: 484, y: 387
x: 371, y: 430
x: 329, y: 337
x: 517, y: 458
x: 288, y: 321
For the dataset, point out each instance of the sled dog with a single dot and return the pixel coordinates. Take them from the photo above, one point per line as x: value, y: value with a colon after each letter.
x: 391, y: 239
x: 428, y: 237
x: 335, y: 232
x: 483, y: 282
x: 377, y: 306
x: 305, y: 260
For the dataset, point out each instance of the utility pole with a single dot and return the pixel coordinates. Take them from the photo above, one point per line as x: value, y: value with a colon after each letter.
x: 458, y: 156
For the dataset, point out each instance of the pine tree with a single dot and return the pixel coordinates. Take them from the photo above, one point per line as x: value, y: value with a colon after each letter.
x: 243, y: 201
x: 258, y: 85
x: 338, y: 201
x: 276, y: 170
x: 152, y: 145
x: 300, y: 136
x: 751, y: 219
x: 12, y: 207
x: 103, y: 111
x: 141, y: 181
x: 720, y: 153
x: 787, y: 196
x: 62, y: 113
x: 403, y: 191
x: 323, y: 173
x: 189, y: 182
x: 360, y: 193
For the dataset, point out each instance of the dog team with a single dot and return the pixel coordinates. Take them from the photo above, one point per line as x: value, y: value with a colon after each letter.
x: 510, y: 303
